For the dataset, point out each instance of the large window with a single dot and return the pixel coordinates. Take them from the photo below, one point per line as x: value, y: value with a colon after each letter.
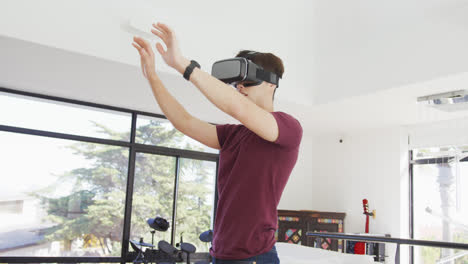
x: 62, y: 117
x: 195, y: 200
x: 148, y: 126
x: 66, y: 171
x: 68, y: 202
x: 153, y: 194
x: 440, y: 202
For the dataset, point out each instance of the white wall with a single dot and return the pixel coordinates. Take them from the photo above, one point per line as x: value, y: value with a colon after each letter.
x: 297, y: 193
x: 367, y: 165
x: 436, y: 134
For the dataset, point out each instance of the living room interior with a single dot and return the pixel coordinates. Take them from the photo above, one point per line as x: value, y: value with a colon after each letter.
x: 379, y: 89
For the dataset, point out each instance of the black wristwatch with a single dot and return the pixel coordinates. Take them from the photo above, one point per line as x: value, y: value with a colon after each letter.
x: 190, y: 68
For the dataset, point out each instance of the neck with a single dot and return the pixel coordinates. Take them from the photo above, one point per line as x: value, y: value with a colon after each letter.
x: 266, y: 104
x: 264, y: 99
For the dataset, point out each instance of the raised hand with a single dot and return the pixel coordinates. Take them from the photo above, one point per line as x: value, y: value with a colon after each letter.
x: 172, y: 56
x: 146, y: 56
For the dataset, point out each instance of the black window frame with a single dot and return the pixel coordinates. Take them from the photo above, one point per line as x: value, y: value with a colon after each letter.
x: 133, y: 149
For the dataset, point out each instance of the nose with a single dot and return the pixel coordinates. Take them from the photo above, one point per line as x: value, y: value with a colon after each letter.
x: 241, y: 89
x: 239, y: 86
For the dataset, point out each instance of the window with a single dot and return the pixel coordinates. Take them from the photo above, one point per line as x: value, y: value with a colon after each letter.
x: 168, y: 136
x: 61, y: 117
x: 64, y: 183
x: 12, y: 207
x: 440, y: 202
x: 68, y: 197
x: 153, y: 195
x: 195, y: 200
x: 67, y: 193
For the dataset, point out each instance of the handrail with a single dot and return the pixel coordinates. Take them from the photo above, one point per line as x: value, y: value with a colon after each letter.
x: 415, y: 242
x: 398, y: 241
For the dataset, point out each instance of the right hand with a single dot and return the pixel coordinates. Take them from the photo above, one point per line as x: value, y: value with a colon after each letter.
x: 146, y: 56
x: 172, y: 56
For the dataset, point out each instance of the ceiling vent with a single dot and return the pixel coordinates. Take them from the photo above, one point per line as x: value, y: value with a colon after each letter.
x: 450, y: 101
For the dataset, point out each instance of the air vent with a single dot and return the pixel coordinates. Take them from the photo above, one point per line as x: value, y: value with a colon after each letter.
x: 450, y: 102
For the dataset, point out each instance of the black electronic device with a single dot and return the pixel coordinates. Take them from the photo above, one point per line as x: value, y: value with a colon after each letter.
x: 158, y: 223
x: 241, y: 69
x: 165, y: 252
x: 141, y: 243
x: 206, y: 236
x: 138, y: 247
x: 167, y: 248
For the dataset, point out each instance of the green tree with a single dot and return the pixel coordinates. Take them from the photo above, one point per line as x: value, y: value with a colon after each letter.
x: 195, y: 200
x: 91, y: 216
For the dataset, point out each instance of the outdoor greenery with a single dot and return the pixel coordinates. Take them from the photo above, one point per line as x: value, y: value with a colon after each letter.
x: 432, y: 254
x: 445, y: 189
x: 89, y: 220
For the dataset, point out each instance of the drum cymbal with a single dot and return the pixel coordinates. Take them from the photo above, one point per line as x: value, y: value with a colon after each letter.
x: 142, y: 244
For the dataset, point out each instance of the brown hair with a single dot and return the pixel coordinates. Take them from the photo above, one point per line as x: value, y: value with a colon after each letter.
x: 268, y: 61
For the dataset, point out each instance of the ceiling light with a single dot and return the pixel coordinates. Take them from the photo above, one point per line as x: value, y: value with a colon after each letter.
x: 450, y: 101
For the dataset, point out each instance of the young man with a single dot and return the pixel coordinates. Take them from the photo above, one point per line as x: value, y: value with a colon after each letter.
x: 256, y: 158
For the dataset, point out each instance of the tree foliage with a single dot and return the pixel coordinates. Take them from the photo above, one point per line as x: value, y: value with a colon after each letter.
x: 90, y: 218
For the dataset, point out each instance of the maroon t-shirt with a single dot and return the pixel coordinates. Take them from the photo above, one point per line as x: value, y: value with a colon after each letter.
x: 251, y: 178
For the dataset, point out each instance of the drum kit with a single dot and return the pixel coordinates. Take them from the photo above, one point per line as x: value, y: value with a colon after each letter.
x: 165, y: 252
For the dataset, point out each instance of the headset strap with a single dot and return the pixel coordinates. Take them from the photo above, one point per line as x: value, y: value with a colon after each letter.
x: 268, y: 76
x: 250, y: 55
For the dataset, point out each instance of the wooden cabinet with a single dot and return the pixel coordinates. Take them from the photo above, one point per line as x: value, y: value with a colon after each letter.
x: 293, y: 226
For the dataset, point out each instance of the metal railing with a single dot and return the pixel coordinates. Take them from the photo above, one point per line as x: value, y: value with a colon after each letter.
x: 398, y: 241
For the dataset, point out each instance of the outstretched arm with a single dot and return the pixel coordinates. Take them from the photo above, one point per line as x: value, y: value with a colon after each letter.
x: 235, y: 104
x: 184, y: 122
x: 255, y: 118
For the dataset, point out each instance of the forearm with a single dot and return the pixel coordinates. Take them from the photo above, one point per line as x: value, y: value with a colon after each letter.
x: 171, y: 108
x: 220, y: 94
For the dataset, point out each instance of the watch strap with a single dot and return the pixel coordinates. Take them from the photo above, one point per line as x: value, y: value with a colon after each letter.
x: 190, y: 68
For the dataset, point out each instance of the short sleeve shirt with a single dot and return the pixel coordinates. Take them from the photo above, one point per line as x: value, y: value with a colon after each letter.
x: 251, y: 178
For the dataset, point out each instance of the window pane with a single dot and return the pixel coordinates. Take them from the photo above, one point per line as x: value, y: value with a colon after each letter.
x: 195, y: 201
x: 440, y: 208
x: 47, y: 115
x: 61, y: 197
x: 440, y: 152
x: 160, y: 132
x: 153, y: 195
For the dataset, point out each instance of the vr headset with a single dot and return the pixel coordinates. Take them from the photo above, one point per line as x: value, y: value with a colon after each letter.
x: 240, y: 69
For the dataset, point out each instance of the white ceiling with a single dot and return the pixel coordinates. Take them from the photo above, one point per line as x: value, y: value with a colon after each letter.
x: 350, y: 65
x: 365, y: 46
